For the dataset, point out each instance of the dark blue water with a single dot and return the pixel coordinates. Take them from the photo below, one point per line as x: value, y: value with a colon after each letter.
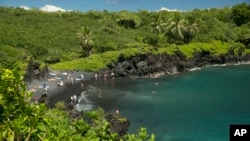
x: 191, y: 106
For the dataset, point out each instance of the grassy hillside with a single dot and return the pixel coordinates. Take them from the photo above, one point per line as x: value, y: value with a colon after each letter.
x: 98, y: 61
x: 90, y: 40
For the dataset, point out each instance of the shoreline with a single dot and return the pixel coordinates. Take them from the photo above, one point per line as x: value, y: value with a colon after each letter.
x: 63, y: 93
x: 54, y: 91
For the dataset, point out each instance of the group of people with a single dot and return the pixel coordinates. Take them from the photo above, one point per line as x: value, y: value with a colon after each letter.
x: 73, y: 98
x: 97, y: 76
x: 71, y: 78
x: 104, y: 76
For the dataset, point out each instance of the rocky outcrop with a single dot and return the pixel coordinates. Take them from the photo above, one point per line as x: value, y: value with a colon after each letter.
x: 34, y: 72
x: 149, y: 65
x: 118, y: 124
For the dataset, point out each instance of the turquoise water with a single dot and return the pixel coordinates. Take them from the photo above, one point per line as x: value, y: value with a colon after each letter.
x: 191, y: 106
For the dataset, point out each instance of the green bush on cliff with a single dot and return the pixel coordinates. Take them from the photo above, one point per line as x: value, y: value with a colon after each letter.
x: 215, y: 48
x: 99, y: 61
x: 247, y: 51
x: 92, y: 63
x: 167, y: 50
x: 237, y: 49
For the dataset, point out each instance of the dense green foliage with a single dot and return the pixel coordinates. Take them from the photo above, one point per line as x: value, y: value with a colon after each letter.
x: 241, y: 13
x: 11, y: 57
x: 98, y: 61
x: 91, y: 41
x: 21, y: 120
x: 65, y: 36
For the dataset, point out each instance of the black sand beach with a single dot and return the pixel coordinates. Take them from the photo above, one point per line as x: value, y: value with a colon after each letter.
x: 60, y: 93
x: 64, y: 93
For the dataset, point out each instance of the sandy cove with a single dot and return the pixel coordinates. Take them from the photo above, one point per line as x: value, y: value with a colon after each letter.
x: 60, y: 93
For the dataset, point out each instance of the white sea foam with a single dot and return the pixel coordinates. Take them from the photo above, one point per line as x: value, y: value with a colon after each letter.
x: 84, y: 107
x: 84, y: 103
x: 83, y: 98
x: 194, y: 69
x: 229, y: 64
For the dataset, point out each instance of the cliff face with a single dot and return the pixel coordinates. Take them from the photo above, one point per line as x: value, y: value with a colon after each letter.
x: 151, y: 65
x: 33, y: 72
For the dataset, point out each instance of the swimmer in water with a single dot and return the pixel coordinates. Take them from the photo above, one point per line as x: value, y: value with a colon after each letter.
x: 100, y: 94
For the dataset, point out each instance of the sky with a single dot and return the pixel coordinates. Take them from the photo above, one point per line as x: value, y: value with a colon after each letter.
x: 117, y: 5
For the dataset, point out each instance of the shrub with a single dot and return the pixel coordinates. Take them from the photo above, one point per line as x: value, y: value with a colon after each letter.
x: 60, y: 105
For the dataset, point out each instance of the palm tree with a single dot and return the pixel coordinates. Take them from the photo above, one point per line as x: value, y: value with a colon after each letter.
x: 86, y: 40
x: 158, y: 25
x: 192, y: 28
x: 177, y: 28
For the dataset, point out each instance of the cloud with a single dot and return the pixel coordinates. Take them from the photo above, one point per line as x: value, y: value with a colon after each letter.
x: 166, y: 9
x: 52, y: 8
x: 24, y: 7
x: 112, y: 2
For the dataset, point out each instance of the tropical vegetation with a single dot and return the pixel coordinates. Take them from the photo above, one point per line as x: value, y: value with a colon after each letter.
x: 21, y: 120
x: 90, y: 41
x: 57, y: 38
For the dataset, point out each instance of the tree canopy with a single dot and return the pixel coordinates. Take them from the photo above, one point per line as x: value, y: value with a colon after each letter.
x: 90, y: 41
x: 65, y: 36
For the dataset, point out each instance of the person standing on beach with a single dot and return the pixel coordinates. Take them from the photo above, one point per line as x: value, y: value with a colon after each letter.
x: 96, y: 76
x: 112, y: 75
x: 74, y: 97
x: 82, y: 76
x: 105, y: 76
x: 72, y: 80
x: 71, y: 99
x: 82, y: 86
x: 44, y: 85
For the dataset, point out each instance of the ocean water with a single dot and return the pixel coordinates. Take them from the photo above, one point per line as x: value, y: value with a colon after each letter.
x: 190, y: 106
